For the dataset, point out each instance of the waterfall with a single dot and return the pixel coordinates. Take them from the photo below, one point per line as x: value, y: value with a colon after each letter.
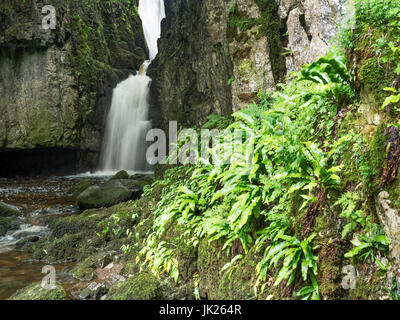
x: 152, y: 12
x: 124, y: 144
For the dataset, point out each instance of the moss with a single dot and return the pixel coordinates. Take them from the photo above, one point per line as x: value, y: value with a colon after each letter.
x: 81, y: 186
x: 377, y: 157
x: 210, y: 261
x: 106, y: 195
x: 86, y: 270
x: 371, y: 284
x: 329, y: 270
x: 119, y: 175
x: 7, y: 210
x: 143, y: 286
x: 394, y: 192
x: 374, y: 79
x: 94, y: 53
x: 238, y: 284
x: 68, y: 248
x: 269, y: 25
x: 186, y: 254
x: 36, y: 292
x: 5, y: 225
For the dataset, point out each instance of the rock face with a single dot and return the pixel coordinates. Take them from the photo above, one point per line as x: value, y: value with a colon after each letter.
x: 215, y: 56
x: 56, y: 85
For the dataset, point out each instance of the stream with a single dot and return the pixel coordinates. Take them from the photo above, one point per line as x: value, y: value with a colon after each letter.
x: 39, y: 198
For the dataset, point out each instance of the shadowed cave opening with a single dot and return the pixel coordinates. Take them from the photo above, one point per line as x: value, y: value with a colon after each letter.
x: 43, y: 162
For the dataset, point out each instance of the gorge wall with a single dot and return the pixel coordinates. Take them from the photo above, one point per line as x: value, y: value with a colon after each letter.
x: 56, y: 85
x: 215, y: 56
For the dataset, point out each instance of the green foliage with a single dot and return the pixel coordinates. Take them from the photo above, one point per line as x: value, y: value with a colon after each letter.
x: 355, y: 218
x: 216, y: 122
x: 310, y: 292
x: 372, y: 241
x: 393, y: 99
x: 240, y: 23
x: 295, y: 255
x: 317, y: 174
x: 270, y: 154
x: 378, y: 13
x: 330, y: 68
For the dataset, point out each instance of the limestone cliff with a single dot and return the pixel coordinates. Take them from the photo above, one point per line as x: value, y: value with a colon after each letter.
x: 217, y: 55
x: 56, y: 85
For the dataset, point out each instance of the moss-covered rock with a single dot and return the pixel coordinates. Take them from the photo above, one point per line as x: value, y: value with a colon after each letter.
x: 5, y: 225
x: 36, y: 292
x: 7, y: 210
x: 120, y: 175
x: 143, y: 286
x: 238, y: 284
x: 371, y: 284
x: 77, y: 237
x: 67, y: 248
x: 210, y: 261
x: 107, y: 195
x: 86, y: 270
x: 81, y: 186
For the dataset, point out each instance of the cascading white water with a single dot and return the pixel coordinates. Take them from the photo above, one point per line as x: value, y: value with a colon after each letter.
x: 152, y: 12
x: 124, y: 144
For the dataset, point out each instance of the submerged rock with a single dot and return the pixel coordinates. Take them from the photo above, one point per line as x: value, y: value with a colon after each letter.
x: 36, y: 292
x: 106, y: 195
x: 143, y: 286
x: 7, y: 210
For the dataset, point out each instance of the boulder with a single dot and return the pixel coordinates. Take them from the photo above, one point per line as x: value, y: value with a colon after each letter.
x: 28, y: 241
x: 121, y: 175
x: 94, y: 290
x: 143, y: 286
x: 36, y: 292
x: 81, y: 186
x: 86, y: 270
x: 7, y: 210
x: 5, y: 225
x: 106, y: 195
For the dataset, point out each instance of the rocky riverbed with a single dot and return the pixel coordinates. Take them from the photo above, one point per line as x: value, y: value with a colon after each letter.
x: 43, y: 221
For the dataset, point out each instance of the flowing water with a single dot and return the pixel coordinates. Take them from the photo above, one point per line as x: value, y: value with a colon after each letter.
x: 39, y: 198
x: 124, y: 144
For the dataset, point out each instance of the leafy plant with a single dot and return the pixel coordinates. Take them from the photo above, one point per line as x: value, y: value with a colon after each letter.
x: 310, y: 292
x: 330, y: 72
x: 372, y: 241
x: 355, y: 218
x: 295, y: 255
x: 393, y: 99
